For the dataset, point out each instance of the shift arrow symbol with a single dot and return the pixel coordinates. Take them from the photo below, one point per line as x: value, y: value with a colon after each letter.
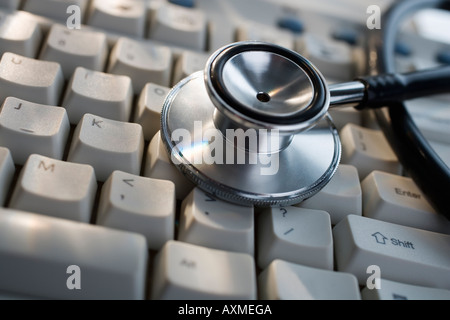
x: 379, y: 238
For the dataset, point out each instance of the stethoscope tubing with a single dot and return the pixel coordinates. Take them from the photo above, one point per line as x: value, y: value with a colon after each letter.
x: 416, y: 155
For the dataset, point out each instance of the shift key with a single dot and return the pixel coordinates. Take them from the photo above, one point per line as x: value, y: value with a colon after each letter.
x: 402, y: 254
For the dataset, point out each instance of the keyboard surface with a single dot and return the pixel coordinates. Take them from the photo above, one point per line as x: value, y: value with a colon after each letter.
x: 91, y: 206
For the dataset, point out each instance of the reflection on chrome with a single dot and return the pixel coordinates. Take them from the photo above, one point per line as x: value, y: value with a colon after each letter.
x: 238, y: 147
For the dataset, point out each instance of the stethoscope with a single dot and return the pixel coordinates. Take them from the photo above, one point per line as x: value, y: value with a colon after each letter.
x: 253, y: 128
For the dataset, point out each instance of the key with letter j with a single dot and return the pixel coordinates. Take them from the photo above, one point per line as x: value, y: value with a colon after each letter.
x: 27, y: 128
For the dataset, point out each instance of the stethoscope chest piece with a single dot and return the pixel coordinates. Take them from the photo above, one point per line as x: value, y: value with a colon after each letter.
x: 253, y: 128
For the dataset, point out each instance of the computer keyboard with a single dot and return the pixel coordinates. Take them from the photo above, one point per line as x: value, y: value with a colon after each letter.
x: 91, y: 206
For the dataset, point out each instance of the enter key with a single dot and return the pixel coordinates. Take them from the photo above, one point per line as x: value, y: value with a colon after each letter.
x: 403, y: 254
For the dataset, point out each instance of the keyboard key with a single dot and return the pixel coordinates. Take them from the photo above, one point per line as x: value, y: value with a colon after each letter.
x: 344, y: 115
x: 188, y: 63
x: 29, y: 79
x: 37, y: 252
x: 262, y: 32
x: 292, y: 24
x: 335, y: 59
x: 402, y: 253
x: 122, y: 16
x: 27, y: 128
x: 283, y: 280
x: 431, y: 24
x: 367, y: 150
x: 423, y: 63
x: 184, y: 3
x: 340, y: 197
x: 186, y: 271
x: 6, y: 173
x: 138, y: 204
x: 10, y: 4
x: 391, y: 290
x: 296, y: 235
x: 142, y: 62
x: 55, y: 188
x: 107, y: 145
x: 348, y: 36
x: 404, y: 64
x: 75, y: 48
x: 403, y: 49
x: 55, y: 9
x: 443, y: 57
x: 369, y: 120
x: 179, y: 26
x: 148, y: 111
x: 103, y: 94
x: 432, y: 117
x: 19, y: 35
x: 216, y: 224
x: 159, y: 166
x: 397, y: 199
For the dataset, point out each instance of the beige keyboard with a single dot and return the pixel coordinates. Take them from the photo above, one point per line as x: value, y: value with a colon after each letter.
x: 91, y: 206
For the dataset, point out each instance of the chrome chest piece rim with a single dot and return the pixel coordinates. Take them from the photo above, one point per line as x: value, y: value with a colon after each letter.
x: 263, y: 85
x: 292, y: 159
